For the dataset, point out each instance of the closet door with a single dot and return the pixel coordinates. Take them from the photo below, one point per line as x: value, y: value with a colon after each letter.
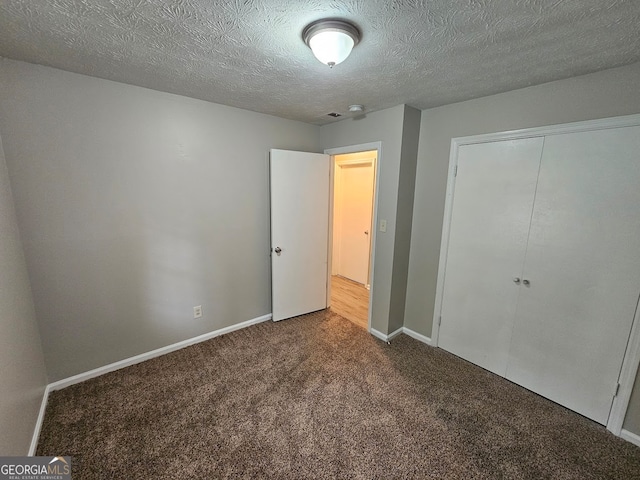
x: 583, y: 267
x: 493, y: 200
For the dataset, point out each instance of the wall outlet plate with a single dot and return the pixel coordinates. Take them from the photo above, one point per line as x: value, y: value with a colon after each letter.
x: 197, y: 311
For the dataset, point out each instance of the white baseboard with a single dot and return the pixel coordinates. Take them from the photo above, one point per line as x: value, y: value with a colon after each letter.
x: 394, y: 334
x: 38, y: 427
x: 81, y: 377
x: 417, y: 336
x: 378, y: 334
x: 384, y: 337
x: 630, y: 437
x: 624, y: 434
x: 406, y: 331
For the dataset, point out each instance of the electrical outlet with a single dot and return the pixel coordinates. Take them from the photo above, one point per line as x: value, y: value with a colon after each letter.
x: 383, y: 225
x: 197, y: 311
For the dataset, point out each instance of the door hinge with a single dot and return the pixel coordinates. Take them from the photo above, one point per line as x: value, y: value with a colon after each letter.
x: 616, y: 389
x: 439, y: 320
x: 455, y: 172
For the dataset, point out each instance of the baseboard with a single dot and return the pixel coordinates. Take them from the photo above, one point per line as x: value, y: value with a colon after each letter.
x: 384, y: 337
x: 379, y: 335
x: 624, y: 434
x: 38, y: 427
x: 630, y: 437
x: 96, y: 372
x: 394, y: 334
x: 417, y: 336
x: 81, y: 377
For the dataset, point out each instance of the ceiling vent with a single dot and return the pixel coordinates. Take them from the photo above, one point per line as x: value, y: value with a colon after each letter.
x: 334, y: 114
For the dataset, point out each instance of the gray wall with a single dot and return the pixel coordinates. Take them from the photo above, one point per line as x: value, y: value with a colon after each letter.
x: 632, y: 420
x: 22, y: 375
x: 134, y: 206
x: 387, y: 127
x: 404, y: 214
x: 599, y: 95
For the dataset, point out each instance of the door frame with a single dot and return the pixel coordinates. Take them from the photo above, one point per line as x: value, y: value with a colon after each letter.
x: 631, y: 359
x: 332, y: 152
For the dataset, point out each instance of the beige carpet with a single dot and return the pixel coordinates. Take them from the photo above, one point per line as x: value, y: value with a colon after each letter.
x: 318, y: 397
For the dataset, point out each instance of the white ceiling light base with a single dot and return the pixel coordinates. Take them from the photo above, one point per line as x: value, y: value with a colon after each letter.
x: 331, y: 41
x: 356, y: 108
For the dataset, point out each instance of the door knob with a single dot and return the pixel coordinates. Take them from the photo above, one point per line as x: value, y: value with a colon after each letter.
x: 516, y: 280
x: 278, y: 250
x: 366, y: 232
x: 526, y: 282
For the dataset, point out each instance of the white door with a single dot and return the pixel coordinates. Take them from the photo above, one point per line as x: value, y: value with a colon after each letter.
x: 494, y: 193
x: 583, y: 268
x: 356, y: 206
x: 299, y: 232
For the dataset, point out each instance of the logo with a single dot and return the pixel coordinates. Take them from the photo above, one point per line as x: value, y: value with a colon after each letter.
x: 35, y: 468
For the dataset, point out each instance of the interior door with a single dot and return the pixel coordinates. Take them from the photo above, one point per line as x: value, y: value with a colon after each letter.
x: 583, y: 271
x: 299, y: 232
x: 356, y: 205
x: 494, y: 192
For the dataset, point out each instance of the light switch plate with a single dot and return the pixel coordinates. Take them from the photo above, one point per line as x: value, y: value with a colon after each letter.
x: 383, y: 225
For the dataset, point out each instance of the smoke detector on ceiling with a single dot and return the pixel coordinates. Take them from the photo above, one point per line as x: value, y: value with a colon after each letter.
x: 356, y: 108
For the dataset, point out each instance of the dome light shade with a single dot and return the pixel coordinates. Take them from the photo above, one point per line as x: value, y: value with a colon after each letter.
x: 331, y: 41
x: 331, y: 47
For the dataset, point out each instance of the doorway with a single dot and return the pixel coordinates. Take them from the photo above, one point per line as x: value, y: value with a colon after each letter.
x: 352, y: 234
x: 302, y: 200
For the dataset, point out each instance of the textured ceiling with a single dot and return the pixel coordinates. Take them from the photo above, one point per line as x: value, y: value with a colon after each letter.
x: 249, y: 53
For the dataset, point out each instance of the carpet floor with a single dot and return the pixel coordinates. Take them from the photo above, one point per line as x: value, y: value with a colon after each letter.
x: 318, y: 397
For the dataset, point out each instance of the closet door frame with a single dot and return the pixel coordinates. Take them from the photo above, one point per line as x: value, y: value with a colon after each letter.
x: 632, y: 355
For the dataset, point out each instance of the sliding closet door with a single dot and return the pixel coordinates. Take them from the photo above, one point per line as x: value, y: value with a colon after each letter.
x: 583, y: 268
x: 494, y: 191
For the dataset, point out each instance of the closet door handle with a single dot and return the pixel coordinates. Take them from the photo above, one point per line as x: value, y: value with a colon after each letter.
x: 516, y: 280
x: 526, y: 283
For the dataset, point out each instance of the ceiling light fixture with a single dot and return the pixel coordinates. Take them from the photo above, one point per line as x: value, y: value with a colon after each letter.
x: 331, y: 41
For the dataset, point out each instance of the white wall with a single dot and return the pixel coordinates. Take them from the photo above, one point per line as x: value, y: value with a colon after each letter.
x: 134, y: 206
x: 604, y: 94
x: 22, y: 375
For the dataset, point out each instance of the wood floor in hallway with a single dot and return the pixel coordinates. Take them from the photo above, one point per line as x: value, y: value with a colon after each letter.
x: 350, y: 299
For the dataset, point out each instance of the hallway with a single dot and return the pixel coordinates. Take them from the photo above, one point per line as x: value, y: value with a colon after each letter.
x: 350, y: 299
